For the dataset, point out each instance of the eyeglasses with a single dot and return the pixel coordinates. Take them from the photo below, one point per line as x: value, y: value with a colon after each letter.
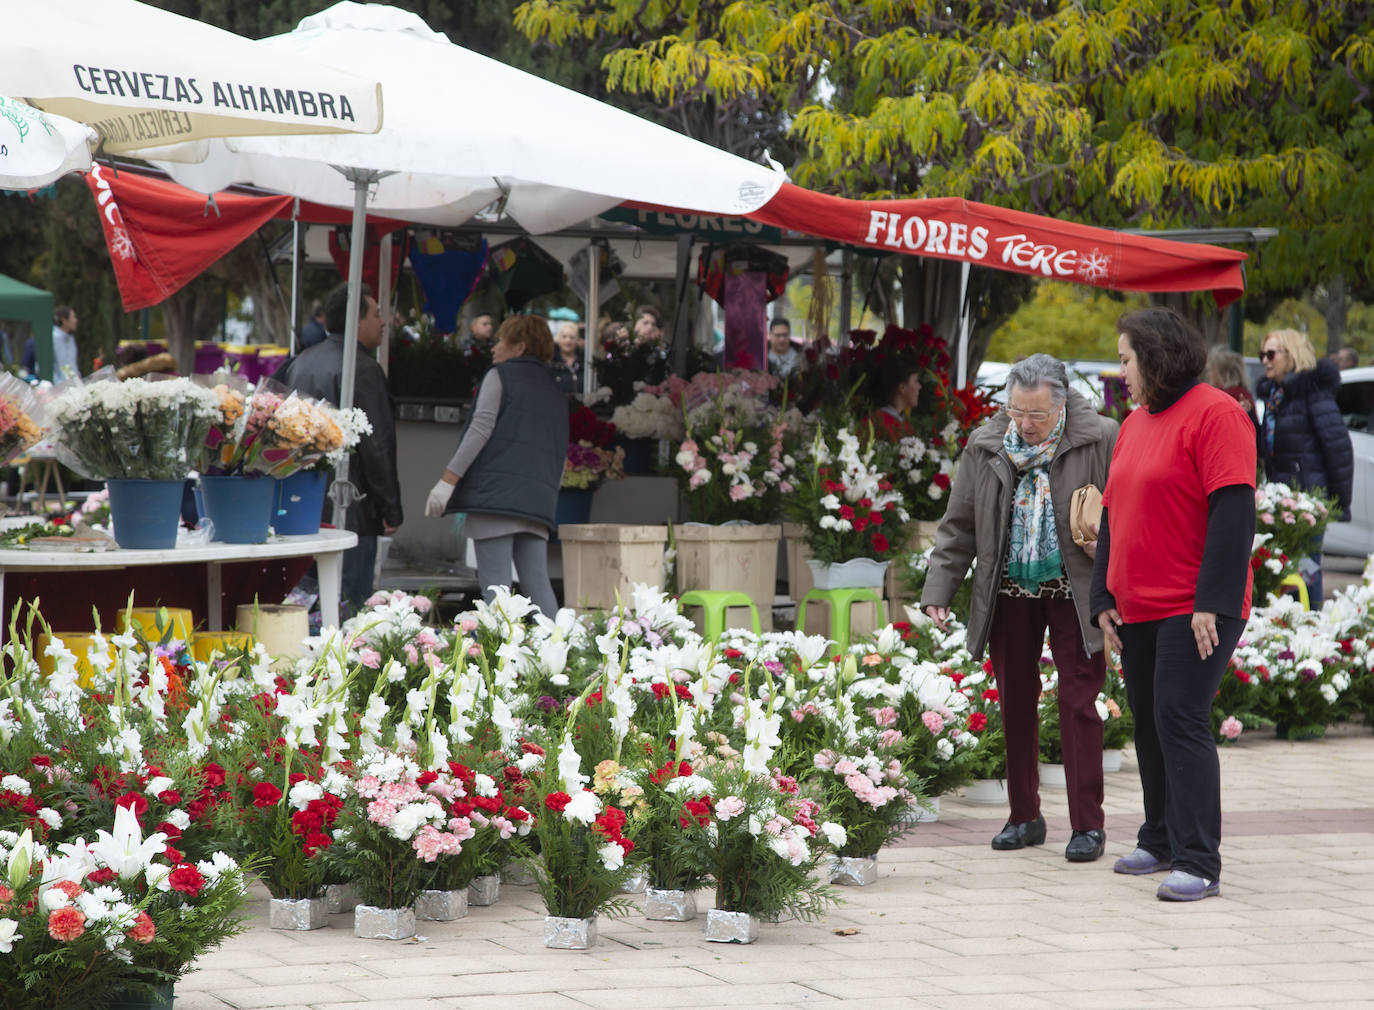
x: 1270, y: 354
x: 1035, y: 416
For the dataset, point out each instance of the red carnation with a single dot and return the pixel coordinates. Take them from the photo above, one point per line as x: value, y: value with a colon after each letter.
x: 990, y: 694
x: 876, y: 518
x: 135, y: 802
x: 977, y: 722
x: 212, y: 775
x: 186, y: 879
x: 660, y: 690
x: 880, y: 543
x: 846, y: 512
x: 171, y: 854
x: 557, y: 801
x: 941, y: 480
x: 425, y: 778
x: 104, y: 875
x: 170, y: 797
x: 265, y: 794
x: 315, y: 842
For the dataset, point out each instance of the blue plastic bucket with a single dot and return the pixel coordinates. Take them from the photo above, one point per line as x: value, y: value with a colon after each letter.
x: 240, y: 507
x: 299, y: 503
x: 145, y: 513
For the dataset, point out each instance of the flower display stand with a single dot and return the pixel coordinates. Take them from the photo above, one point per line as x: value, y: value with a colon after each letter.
x: 485, y: 890
x: 340, y: 898
x: 297, y: 913
x: 1052, y: 775
x: 561, y: 933
x: 1111, y: 759
x: 373, y: 923
x: 601, y: 560
x: 731, y: 927
x: 669, y: 906
x: 854, y: 871
x: 742, y: 559
x: 636, y: 883
x: 986, y: 792
x: 441, y: 906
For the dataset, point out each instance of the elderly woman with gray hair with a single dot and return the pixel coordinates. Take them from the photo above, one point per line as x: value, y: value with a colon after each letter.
x: 1009, y: 509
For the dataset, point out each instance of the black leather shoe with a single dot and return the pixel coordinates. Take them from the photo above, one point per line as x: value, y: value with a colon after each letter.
x: 1017, y: 836
x: 1085, y: 846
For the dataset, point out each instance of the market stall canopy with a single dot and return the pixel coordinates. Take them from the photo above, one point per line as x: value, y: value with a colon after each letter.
x: 20, y: 301
x: 144, y: 77
x: 37, y: 148
x: 464, y: 131
x: 1011, y: 240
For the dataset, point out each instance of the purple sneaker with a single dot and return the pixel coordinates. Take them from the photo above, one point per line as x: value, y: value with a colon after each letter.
x: 1181, y: 886
x: 1140, y: 862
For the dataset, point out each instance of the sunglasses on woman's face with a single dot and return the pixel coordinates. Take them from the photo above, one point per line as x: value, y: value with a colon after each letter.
x: 1269, y: 355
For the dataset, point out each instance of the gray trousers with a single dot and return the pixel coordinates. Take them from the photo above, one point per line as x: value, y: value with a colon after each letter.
x: 530, y: 554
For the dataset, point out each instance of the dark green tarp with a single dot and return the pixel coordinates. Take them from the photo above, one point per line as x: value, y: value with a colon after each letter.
x: 19, y: 301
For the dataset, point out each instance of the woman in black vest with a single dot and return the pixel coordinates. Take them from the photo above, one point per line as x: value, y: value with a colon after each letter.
x: 509, y: 464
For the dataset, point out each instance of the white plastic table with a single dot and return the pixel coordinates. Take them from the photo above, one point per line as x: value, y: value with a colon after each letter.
x: 326, y: 546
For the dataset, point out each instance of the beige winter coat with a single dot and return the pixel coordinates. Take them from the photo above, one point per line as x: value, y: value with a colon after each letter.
x: 977, y: 522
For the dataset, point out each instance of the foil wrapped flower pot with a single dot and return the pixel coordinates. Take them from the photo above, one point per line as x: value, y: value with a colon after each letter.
x: 731, y: 927
x: 669, y: 906
x: 516, y: 874
x: 562, y: 933
x: 340, y: 898
x: 485, y: 890
x: 854, y: 871
x: 923, y: 811
x: 297, y: 913
x: 636, y: 882
x: 373, y: 923
x: 441, y: 906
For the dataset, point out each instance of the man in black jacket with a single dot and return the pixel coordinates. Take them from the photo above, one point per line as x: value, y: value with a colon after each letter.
x: 318, y: 371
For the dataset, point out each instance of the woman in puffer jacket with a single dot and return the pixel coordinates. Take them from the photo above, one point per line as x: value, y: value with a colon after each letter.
x: 1303, y: 441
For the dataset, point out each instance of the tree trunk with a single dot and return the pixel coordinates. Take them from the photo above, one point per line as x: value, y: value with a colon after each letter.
x: 192, y: 314
x: 931, y: 289
x: 1200, y: 309
x: 1333, y: 299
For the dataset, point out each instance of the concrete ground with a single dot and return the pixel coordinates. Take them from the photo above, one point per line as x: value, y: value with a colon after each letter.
x: 950, y: 924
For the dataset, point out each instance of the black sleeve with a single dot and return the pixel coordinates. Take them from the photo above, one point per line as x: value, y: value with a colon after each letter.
x: 1226, y: 551
x: 1099, y: 599
x: 376, y: 453
x: 1338, y: 455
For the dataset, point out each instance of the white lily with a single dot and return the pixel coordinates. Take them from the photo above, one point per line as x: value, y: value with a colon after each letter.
x: 125, y: 850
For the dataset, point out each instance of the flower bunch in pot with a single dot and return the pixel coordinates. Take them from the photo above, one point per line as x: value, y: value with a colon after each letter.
x: 986, y: 739
x: 671, y: 796
x: 592, y: 454
x: 841, y: 496
x: 1288, y: 521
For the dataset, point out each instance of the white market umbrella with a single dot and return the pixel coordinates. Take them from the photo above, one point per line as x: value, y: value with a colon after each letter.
x: 462, y: 132
x: 37, y: 148
x: 145, y: 77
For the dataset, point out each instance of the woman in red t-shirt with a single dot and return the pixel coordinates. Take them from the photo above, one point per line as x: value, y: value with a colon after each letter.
x: 1171, y: 586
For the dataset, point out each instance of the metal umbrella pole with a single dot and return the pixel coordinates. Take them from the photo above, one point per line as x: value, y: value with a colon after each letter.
x: 341, y: 492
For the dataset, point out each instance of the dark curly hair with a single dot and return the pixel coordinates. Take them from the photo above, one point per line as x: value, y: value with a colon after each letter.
x: 1168, y: 352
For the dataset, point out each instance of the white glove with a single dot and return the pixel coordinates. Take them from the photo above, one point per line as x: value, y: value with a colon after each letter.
x: 438, y: 498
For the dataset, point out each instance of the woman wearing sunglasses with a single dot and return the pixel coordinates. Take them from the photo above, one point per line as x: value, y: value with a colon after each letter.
x: 1303, y: 441
x: 1009, y: 510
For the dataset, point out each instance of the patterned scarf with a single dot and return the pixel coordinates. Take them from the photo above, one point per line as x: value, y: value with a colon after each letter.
x: 1034, y: 556
x: 1271, y: 412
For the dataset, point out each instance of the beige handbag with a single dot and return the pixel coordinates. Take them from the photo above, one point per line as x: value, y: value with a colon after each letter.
x: 1085, y: 509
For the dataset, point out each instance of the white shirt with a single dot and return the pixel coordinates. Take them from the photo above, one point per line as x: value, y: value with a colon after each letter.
x: 64, y: 365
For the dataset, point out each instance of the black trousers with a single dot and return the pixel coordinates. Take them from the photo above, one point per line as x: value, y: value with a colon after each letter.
x: 1170, y: 689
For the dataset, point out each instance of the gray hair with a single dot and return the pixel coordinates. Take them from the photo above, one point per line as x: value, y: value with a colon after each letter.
x: 1040, y: 370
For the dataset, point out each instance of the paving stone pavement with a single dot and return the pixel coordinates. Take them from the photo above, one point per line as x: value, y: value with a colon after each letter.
x: 950, y: 924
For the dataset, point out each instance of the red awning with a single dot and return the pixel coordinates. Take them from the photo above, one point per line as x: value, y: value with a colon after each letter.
x: 978, y: 233
x: 161, y: 236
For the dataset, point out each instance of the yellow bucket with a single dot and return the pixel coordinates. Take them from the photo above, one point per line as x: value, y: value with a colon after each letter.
x: 79, y: 642
x: 145, y: 621
x: 205, y: 645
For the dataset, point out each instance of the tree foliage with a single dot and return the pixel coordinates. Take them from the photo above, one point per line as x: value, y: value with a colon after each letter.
x: 1143, y: 113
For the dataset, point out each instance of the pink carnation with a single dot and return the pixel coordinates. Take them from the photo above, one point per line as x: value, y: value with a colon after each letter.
x: 381, y: 812
x: 370, y: 658
x: 890, y: 737
x: 845, y: 767
x: 933, y: 722
x: 886, y: 716
x: 730, y: 806
x: 1231, y: 727
x: 824, y: 760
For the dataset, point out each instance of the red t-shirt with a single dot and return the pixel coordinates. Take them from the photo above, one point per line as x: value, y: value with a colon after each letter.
x: 1163, y: 468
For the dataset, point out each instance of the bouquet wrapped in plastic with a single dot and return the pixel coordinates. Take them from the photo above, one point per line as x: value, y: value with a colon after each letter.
x: 22, y: 417
x: 149, y: 428
x: 271, y: 431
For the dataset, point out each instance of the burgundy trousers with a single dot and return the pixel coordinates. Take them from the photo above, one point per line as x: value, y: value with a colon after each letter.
x: 1018, y: 633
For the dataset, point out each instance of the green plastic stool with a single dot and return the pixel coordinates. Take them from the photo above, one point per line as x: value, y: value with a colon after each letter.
x: 713, y: 603
x: 840, y: 601
x: 1296, y: 582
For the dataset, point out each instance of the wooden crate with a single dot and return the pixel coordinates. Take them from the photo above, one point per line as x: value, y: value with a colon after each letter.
x: 741, y: 559
x: 603, y: 559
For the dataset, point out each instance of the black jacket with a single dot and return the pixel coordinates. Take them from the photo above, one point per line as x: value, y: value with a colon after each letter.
x: 318, y: 371
x: 1311, y: 444
x: 519, y: 470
